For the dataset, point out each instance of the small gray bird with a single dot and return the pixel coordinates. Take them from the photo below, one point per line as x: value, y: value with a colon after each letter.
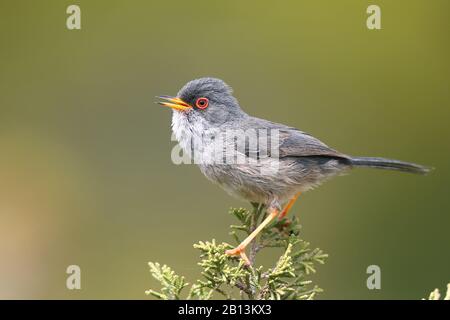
x: 302, y: 161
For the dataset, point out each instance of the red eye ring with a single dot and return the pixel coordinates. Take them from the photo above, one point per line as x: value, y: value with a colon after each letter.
x: 202, y: 103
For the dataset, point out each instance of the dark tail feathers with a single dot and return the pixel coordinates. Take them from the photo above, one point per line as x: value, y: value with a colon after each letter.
x: 382, y: 163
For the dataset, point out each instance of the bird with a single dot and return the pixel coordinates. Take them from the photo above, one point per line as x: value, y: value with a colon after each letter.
x: 274, y: 173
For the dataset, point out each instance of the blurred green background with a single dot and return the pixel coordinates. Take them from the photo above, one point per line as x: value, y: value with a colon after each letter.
x: 85, y: 171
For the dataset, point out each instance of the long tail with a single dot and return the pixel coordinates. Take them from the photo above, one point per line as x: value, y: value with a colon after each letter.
x: 389, y: 164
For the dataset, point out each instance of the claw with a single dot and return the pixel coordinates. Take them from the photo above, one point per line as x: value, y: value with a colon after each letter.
x: 239, y: 251
x: 233, y: 252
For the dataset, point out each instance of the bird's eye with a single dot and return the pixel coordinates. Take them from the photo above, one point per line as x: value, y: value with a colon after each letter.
x: 202, y: 103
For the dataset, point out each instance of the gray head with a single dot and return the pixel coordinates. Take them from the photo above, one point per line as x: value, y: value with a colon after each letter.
x: 207, y: 99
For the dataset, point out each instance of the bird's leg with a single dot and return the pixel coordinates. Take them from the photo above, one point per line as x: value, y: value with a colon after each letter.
x: 240, y: 249
x: 288, y: 206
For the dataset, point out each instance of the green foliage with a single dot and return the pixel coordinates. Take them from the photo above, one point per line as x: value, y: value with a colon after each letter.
x: 229, y: 278
x: 171, y: 283
x: 217, y: 271
x: 436, y: 295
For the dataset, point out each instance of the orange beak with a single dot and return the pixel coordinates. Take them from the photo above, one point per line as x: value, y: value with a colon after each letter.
x: 174, y: 103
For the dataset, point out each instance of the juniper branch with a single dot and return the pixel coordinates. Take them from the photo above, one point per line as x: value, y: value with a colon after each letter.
x: 222, y: 275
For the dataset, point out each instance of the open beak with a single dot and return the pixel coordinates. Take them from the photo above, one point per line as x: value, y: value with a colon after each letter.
x: 174, y: 103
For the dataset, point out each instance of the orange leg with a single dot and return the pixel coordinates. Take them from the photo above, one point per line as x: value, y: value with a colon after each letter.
x: 240, y: 249
x: 288, y: 207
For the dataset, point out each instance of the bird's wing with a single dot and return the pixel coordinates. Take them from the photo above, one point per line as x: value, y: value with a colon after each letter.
x: 295, y: 143
x: 291, y: 142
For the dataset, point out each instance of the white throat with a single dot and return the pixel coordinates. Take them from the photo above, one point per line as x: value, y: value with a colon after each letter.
x: 187, y: 128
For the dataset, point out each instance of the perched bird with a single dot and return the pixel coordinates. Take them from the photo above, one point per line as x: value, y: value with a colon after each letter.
x: 301, y: 161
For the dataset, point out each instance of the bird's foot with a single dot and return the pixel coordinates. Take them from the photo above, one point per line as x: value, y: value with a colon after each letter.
x: 282, y: 215
x: 288, y: 207
x: 239, y: 251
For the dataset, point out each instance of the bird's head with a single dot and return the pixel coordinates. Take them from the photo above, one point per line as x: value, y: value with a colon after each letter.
x: 206, y: 99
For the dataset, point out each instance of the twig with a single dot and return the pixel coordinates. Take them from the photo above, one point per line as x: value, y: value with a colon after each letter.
x: 244, y: 288
x: 226, y: 295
